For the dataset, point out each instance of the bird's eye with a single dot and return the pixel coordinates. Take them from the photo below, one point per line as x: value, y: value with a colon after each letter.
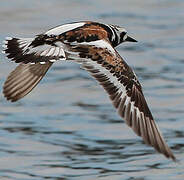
x: 123, y: 36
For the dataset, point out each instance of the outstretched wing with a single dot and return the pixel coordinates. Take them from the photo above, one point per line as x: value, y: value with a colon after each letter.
x: 106, y: 66
x: 23, y: 79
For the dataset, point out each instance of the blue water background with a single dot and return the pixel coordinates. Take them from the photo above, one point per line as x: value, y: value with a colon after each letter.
x: 67, y: 128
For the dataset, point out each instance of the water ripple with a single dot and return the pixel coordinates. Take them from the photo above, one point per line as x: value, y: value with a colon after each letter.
x: 67, y: 127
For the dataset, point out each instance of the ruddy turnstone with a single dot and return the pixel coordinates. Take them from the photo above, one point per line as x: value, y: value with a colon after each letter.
x: 91, y: 44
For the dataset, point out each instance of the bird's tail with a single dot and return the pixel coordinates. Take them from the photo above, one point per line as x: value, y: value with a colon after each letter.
x: 32, y: 50
x: 16, y: 48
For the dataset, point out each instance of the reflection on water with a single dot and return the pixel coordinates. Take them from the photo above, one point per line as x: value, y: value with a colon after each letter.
x: 67, y: 128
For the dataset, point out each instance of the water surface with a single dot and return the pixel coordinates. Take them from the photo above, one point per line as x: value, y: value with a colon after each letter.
x: 67, y: 128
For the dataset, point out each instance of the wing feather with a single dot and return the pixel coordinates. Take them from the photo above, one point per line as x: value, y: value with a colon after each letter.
x: 125, y: 92
x: 23, y: 79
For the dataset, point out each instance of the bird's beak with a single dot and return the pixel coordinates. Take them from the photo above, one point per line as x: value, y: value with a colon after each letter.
x: 129, y: 39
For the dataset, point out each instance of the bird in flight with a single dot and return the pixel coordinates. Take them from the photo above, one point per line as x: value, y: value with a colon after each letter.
x: 91, y: 44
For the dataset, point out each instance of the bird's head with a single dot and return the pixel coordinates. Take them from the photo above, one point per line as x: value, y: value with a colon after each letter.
x: 119, y: 35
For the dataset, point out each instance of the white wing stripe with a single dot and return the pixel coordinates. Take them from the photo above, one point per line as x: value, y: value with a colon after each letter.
x: 127, y: 114
x: 99, y: 43
x: 56, y: 53
x: 64, y: 28
x: 125, y: 100
x: 24, y: 43
x: 52, y: 60
x: 51, y: 52
x: 121, y: 105
x: 62, y: 52
x: 44, y: 53
x: 142, y: 125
